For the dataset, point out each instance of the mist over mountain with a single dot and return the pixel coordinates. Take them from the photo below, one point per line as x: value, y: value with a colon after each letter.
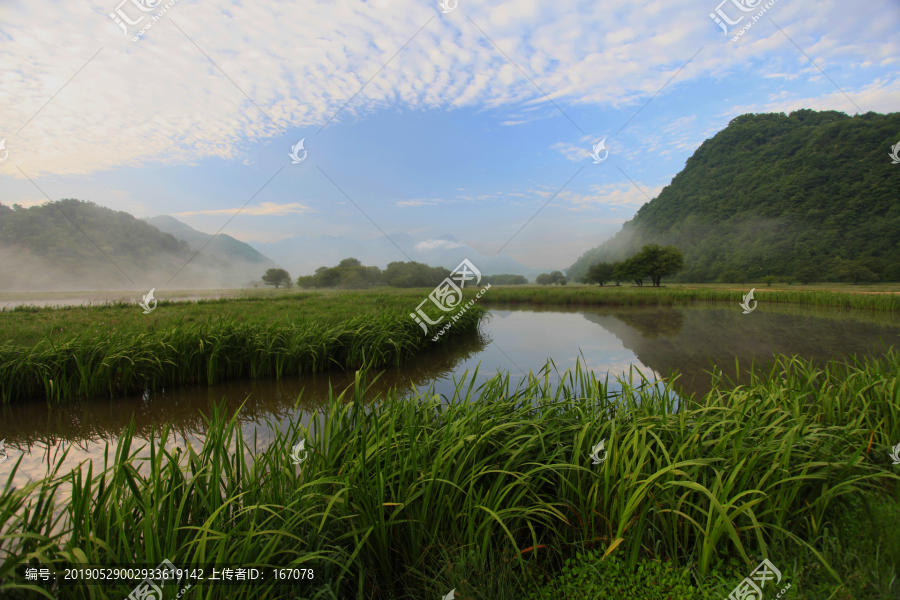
x: 772, y: 193
x: 76, y: 245
x: 247, y: 264
x: 302, y: 255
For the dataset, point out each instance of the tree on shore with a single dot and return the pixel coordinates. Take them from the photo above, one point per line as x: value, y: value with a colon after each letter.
x: 599, y: 273
x: 276, y: 277
x: 660, y: 262
x: 632, y: 269
x: 551, y: 278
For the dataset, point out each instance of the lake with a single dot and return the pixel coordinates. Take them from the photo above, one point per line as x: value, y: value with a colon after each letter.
x: 518, y: 340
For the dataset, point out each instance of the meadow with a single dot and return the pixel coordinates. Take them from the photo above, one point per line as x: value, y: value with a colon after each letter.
x: 60, y: 353
x: 115, y: 349
x: 495, y: 494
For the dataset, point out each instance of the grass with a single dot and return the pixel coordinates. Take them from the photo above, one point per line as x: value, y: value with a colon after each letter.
x: 115, y: 349
x: 492, y: 493
x: 647, y: 295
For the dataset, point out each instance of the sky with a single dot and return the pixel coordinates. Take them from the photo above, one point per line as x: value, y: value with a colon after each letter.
x: 470, y: 118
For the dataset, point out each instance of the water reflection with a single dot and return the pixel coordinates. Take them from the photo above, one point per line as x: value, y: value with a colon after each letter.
x: 655, y: 340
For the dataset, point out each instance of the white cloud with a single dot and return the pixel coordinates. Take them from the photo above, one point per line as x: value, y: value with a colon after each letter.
x: 417, y: 203
x: 620, y: 195
x: 160, y: 101
x: 437, y: 245
x: 263, y: 209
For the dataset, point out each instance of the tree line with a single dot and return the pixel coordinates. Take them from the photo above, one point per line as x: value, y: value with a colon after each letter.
x: 351, y: 274
x: 653, y: 262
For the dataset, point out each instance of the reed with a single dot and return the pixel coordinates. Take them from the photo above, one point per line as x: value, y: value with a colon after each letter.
x: 409, y: 498
x: 126, y: 361
x: 633, y: 295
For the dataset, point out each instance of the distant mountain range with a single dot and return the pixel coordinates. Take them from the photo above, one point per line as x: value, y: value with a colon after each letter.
x: 772, y: 194
x: 302, y: 255
x: 222, y: 246
x: 76, y: 245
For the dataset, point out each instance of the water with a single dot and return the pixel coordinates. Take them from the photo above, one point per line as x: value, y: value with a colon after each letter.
x: 517, y: 340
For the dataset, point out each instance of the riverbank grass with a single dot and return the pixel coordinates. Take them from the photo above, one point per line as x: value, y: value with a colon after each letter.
x: 495, y: 492
x: 116, y: 350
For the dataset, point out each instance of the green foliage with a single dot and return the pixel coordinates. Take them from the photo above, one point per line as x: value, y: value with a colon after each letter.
x: 276, y: 277
x: 632, y: 268
x: 504, y: 280
x: 86, y: 362
x: 675, y: 295
x: 556, y: 277
x: 414, y: 274
x: 589, y: 575
x: 852, y: 271
x: 771, y: 191
x: 730, y: 276
x: 652, y: 261
x: 599, y: 273
x: 390, y: 487
x: 769, y: 280
x: 350, y: 274
x: 806, y: 274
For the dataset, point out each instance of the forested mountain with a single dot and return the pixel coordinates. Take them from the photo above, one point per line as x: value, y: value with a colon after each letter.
x: 77, y: 245
x: 773, y: 195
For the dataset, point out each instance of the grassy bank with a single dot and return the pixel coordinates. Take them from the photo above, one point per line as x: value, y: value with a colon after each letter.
x: 634, y: 295
x: 115, y: 349
x: 495, y: 496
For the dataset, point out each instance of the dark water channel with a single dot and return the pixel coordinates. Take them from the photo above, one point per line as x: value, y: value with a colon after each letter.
x: 517, y: 340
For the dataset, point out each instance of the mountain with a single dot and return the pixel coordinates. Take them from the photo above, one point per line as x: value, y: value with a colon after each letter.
x: 302, y: 255
x: 240, y: 255
x: 77, y: 245
x: 774, y: 193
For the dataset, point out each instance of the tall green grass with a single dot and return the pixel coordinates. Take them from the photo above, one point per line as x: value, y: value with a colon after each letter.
x: 489, y: 491
x: 653, y: 296
x: 128, y: 361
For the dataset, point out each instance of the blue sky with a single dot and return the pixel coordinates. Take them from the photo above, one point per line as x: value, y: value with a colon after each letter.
x: 449, y: 137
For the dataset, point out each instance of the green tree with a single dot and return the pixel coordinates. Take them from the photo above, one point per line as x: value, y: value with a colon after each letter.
x: 806, y: 273
x: 730, y: 276
x: 852, y: 271
x: 633, y: 269
x: 544, y: 279
x: 276, y: 277
x: 659, y: 262
x: 598, y: 273
x: 557, y: 277
x: 616, y: 276
x: 414, y: 274
x: 503, y: 280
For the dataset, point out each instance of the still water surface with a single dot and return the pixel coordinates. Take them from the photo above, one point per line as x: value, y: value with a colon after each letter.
x: 517, y: 340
